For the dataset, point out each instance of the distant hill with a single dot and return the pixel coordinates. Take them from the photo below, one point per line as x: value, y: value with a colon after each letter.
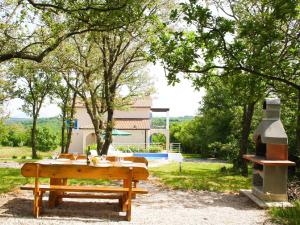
x: 158, y: 122
x: 53, y: 123
x: 181, y: 118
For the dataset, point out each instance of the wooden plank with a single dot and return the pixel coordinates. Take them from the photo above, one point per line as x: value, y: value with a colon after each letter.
x: 47, y: 187
x: 92, y: 196
x: 84, y: 171
x: 134, y: 159
x: 263, y: 161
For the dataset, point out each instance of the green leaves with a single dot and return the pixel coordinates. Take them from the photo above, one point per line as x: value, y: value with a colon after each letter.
x: 252, y: 37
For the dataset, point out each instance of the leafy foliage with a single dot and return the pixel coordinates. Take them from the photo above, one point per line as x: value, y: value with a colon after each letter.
x: 14, y: 135
x: 45, y: 141
x: 16, y: 132
x: 158, y: 138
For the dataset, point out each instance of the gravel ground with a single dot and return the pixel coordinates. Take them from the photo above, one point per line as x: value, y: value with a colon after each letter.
x: 10, y: 165
x: 162, y: 206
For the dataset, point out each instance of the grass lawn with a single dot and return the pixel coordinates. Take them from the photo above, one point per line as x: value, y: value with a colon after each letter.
x: 20, y: 152
x: 190, y: 156
x: 286, y: 216
x: 201, y: 176
x: 11, y: 178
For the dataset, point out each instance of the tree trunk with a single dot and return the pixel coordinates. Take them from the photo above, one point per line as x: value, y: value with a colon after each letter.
x: 69, y: 131
x: 298, y: 127
x: 108, y: 132
x: 33, y: 137
x: 98, y: 141
x: 248, y: 112
x: 63, y: 128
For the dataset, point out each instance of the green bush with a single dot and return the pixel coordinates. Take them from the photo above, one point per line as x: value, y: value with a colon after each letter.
x: 122, y: 148
x: 227, y: 151
x: 130, y: 148
x: 91, y: 147
x: 158, y: 138
x: 134, y: 148
x: 14, y: 157
x: 45, y: 141
x: 155, y: 148
x: 14, y: 135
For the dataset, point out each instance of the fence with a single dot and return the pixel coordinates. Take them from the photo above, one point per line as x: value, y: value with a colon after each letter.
x: 146, y: 147
x: 175, y: 147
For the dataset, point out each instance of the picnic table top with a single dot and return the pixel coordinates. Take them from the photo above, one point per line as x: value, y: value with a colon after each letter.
x: 79, y: 168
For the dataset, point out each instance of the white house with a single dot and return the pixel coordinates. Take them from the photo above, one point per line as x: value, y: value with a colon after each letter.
x: 136, y: 121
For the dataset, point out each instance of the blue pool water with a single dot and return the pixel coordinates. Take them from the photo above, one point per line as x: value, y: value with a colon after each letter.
x: 151, y: 156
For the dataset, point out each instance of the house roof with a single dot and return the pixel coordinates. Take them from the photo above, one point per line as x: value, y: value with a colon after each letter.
x: 132, y: 124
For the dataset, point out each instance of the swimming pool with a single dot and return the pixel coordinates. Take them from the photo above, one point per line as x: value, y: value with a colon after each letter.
x: 151, y: 156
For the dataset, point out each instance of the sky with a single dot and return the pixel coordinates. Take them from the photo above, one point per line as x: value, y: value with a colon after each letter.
x: 182, y: 99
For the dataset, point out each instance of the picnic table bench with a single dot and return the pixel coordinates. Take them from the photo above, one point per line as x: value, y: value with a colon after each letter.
x: 60, y: 172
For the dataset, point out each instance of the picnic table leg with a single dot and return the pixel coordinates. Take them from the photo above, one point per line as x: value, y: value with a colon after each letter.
x: 55, y: 197
x: 125, y: 196
x: 41, y: 201
x: 36, y: 204
x: 135, y: 182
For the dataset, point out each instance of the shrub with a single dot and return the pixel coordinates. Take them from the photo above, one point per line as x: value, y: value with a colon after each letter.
x: 155, y: 148
x: 14, y: 157
x: 23, y: 157
x: 227, y: 151
x: 122, y: 148
x: 91, y: 147
x: 45, y: 141
x: 14, y: 135
x: 134, y: 148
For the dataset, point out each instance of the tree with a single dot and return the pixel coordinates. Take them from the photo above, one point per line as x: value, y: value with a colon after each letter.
x: 32, y: 29
x: 45, y: 141
x: 269, y: 30
x: 256, y: 39
x: 100, y: 91
x: 33, y: 83
x: 122, y: 53
x: 67, y: 99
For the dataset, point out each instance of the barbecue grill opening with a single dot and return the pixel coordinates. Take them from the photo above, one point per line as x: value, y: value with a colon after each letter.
x: 265, y: 105
x: 261, y: 148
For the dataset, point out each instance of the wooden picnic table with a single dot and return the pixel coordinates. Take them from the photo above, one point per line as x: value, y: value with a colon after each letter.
x: 60, y: 170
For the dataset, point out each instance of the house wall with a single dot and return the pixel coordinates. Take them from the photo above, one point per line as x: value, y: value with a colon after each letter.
x: 80, y: 139
x: 137, y: 136
x: 76, y: 145
x: 84, y: 120
x: 141, y: 110
x: 135, y: 113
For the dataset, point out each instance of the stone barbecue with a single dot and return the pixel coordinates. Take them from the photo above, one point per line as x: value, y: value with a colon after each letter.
x: 270, y: 162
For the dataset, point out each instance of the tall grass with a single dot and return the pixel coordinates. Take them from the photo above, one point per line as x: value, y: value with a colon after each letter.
x: 286, y: 216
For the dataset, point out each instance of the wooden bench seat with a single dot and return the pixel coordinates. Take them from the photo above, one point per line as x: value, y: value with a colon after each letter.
x: 67, y: 188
